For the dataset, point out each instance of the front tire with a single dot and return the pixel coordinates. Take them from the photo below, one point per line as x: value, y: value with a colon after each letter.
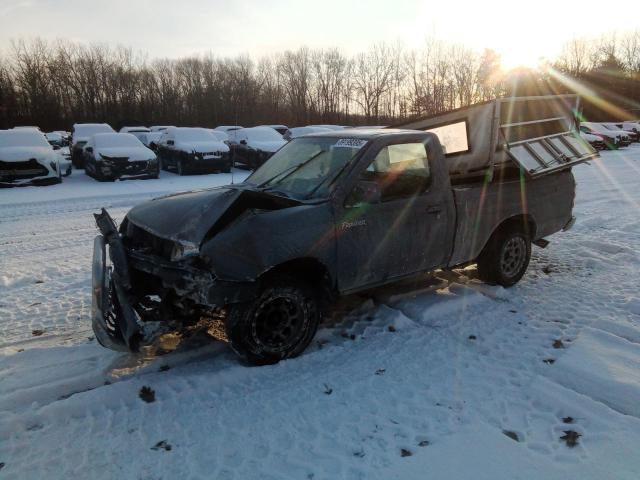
x: 181, y: 168
x: 280, y: 323
x: 505, y: 258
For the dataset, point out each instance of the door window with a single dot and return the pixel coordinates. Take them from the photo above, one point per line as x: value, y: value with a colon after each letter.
x: 400, y: 171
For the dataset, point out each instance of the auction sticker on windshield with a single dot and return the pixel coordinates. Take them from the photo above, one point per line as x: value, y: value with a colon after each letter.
x: 350, y: 143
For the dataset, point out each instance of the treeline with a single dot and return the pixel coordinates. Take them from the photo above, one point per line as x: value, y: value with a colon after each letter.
x: 54, y: 85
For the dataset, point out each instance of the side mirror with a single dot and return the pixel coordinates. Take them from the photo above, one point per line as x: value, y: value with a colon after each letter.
x: 364, y: 192
x: 170, y: 142
x: 88, y: 149
x: 243, y: 142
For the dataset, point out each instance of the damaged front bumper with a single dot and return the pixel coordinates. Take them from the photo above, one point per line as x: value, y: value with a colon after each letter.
x: 118, y: 319
x: 113, y: 319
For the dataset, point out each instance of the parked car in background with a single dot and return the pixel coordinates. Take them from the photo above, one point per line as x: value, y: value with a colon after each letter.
x: 66, y: 166
x: 219, y: 135
x: 27, y: 127
x: 630, y: 126
x: 281, y: 129
x: 633, y: 136
x: 251, y: 147
x: 595, y: 141
x: 193, y: 150
x: 228, y: 128
x: 296, y: 132
x: 160, y: 128
x: 135, y: 131
x: 26, y: 157
x: 150, y: 139
x: 80, y: 135
x: 612, y: 140
x: 55, y: 139
x: 110, y: 156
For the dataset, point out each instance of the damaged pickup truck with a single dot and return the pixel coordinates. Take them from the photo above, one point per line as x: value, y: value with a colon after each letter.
x: 336, y: 213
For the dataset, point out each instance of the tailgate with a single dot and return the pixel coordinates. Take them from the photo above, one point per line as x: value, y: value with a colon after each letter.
x: 540, y: 134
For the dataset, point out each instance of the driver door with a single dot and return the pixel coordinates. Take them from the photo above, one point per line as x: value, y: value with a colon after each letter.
x: 393, y: 223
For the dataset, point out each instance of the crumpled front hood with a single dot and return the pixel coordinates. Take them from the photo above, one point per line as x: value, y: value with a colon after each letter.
x: 183, y: 217
x: 203, y: 147
x: 191, y: 217
x: 270, y: 146
x: 20, y: 154
x: 134, y: 154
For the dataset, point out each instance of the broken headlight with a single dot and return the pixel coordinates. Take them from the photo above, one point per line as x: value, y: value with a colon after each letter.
x: 184, y: 249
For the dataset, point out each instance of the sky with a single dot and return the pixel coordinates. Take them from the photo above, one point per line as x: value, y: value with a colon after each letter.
x: 521, y: 34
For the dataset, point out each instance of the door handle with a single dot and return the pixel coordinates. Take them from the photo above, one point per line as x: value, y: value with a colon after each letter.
x: 434, y: 209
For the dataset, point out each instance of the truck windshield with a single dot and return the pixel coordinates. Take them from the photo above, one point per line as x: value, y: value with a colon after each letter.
x: 304, y: 167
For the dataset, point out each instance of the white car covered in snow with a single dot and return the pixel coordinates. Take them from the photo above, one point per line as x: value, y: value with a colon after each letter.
x: 630, y: 126
x: 138, y: 132
x: 150, y: 139
x: 633, y: 136
x: 193, y: 149
x: 281, y: 129
x: 219, y: 135
x: 119, y: 155
x: 80, y: 135
x: 595, y: 141
x: 26, y: 157
x: 612, y: 140
x: 252, y: 147
x: 228, y: 128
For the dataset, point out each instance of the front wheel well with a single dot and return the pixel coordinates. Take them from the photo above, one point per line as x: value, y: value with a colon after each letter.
x: 310, y: 270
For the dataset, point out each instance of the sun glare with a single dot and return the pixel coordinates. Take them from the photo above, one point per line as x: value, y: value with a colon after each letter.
x: 514, y: 57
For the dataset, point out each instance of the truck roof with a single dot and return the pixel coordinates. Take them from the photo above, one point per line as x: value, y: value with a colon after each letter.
x: 365, y: 134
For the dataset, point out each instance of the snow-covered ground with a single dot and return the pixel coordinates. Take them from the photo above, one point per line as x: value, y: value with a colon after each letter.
x: 473, y: 382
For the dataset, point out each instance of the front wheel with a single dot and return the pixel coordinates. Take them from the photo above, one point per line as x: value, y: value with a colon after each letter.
x: 280, y: 323
x: 181, y: 167
x: 505, y: 258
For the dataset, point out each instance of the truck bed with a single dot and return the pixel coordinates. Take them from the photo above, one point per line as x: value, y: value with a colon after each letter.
x: 547, y: 200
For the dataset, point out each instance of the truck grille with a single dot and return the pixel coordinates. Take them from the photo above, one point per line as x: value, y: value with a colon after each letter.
x: 21, y: 170
x: 138, y: 239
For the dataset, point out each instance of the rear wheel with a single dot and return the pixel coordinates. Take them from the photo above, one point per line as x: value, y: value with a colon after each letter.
x: 280, y: 323
x: 505, y: 258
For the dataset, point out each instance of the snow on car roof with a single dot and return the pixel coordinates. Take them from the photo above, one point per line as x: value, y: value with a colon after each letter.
x: 192, y: 134
x: 134, y: 129
x: 23, y: 137
x: 88, y: 129
x: 226, y: 128
x: 264, y: 134
x: 111, y: 140
x: 27, y: 127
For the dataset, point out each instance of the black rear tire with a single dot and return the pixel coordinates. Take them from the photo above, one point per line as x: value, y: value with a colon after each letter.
x: 505, y: 258
x: 280, y: 323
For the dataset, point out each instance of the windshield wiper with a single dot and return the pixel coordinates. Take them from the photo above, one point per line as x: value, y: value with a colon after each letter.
x: 291, y: 170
